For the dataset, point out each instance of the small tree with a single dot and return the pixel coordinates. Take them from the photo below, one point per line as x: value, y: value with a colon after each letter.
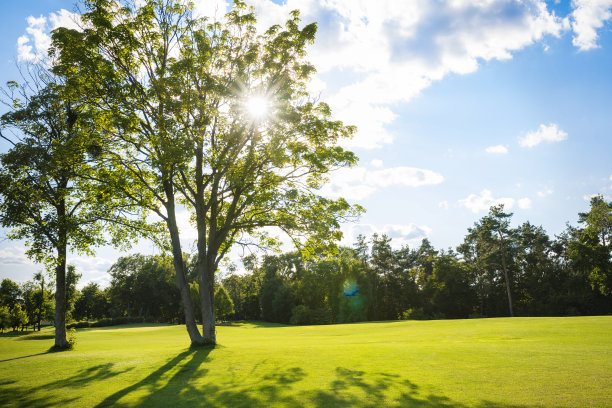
x: 5, y: 318
x: 18, y: 317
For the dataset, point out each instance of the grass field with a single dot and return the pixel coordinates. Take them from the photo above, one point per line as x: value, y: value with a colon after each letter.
x: 520, y: 362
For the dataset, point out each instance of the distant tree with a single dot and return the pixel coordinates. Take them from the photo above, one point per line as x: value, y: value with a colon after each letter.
x: 5, y: 318
x: 72, y: 279
x: 223, y: 303
x: 92, y: 303
x: 18, y: 317
x: 486, y: 247
x: 593, y: 249
x: 144, y: 286
x: 452, y: 293
x: 10, y: 293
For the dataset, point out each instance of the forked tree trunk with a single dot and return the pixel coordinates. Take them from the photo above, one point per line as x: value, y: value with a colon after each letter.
x: 179, y: 269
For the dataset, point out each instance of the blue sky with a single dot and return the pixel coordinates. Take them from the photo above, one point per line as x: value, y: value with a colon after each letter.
x: 460, y: 105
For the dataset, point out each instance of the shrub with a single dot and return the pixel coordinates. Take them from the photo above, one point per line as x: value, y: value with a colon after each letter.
x: 71, y: 338
x: 414, y: 314
x: 301, y: 314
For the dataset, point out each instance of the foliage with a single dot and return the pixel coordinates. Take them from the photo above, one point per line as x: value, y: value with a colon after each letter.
x: 71, y: 337
x: 181, y: 133
x: 224, y: 306
x: 49, y: 194
x: 18, y: 317
x: 5, y: 318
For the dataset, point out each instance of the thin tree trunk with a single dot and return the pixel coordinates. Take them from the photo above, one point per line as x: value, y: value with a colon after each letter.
x: 179, y: 269
x: 42, y: 298
x: 60, y: 293
x: 503, y: 252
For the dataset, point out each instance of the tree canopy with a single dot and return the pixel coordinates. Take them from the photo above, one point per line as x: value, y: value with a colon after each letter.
x: 176, y: 94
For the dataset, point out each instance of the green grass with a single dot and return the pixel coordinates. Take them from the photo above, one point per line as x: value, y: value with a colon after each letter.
x: 549, y: 362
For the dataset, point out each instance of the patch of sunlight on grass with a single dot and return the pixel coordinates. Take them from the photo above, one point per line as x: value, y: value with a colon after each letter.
x: 519, y: 362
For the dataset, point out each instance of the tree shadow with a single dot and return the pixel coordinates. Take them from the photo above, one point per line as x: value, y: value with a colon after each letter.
x: 29, y: 355
x: 349, y: 388
x: 184, y: 381
x: 39, y: 396
x: 33, y: 336
x: 164, y: 395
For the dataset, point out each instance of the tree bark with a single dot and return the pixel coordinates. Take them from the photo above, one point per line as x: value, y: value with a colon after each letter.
x: 503, y: 253
x: 60, y: 280
x: 179, y: 269
x: 207, y: 299
x: 42, y: 298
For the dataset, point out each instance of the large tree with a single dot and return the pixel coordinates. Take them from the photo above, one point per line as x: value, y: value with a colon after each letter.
x: 47, y: 195
x: 213, y: 117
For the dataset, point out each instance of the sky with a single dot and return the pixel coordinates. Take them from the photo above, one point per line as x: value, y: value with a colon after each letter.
x: 459, y: 104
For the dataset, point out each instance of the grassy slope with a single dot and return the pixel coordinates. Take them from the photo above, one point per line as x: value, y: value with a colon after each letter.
x: 551, y: 362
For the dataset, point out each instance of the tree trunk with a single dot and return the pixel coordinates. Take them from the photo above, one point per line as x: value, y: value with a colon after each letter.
x: 42, y: 298
x: 207, y: 301
x: 503, y: 253
x: 60, y: 294
x: 179, y: 269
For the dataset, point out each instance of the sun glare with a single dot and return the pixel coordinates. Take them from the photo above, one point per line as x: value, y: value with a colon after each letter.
x: 257, y: 107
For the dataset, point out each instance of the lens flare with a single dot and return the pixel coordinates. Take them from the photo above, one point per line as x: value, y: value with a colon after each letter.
x: 350, y: 288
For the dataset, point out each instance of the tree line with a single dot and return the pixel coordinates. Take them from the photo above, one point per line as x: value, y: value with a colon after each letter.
x: 495, y: 271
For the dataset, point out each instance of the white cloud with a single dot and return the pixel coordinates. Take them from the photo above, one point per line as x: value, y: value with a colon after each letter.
x: 14, y: 255
x: 587, y: 17
x: 358, y: 183
x: 524, y: 203
x: 443, y: 205
x: 550, y: 133
x: 499, y: 149
x: 544, y: 193
x: 384, y: 52
x: 92, y: 269
x: 610, y: 180
x: 213, y: 9
x: 484, y: 201
x: 34, y: 45
x: 376, y: 163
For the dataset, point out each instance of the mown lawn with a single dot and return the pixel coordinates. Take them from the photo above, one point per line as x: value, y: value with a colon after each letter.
x: 520, y: 362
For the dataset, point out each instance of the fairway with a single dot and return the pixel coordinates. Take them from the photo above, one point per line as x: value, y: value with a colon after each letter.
x: 549, y: 362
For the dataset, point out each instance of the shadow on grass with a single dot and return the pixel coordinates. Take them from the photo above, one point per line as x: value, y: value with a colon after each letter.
x: 29, y: 355
x: 184, y: 381
x: 36, y: 336
x: 39, y: 397
x: 187, y: 386
x: 17, y: 333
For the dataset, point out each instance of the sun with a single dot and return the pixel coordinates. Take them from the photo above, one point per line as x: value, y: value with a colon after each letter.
x: 257, y: 107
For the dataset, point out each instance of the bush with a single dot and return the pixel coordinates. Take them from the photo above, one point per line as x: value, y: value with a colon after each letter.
x: 321, y: 316
x: 114, y: 321
x: 303, y: 315
x: 71, y: 338
x: 414, y: 314
x: 300, y: 315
